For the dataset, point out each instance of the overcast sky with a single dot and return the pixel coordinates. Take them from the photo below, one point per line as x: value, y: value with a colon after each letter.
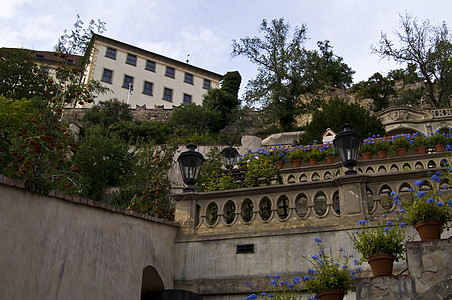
x: 205, y: 29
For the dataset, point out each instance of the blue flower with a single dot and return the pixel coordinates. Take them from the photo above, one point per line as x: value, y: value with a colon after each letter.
x: 439, y: 204
x: 274, y: 283
x: 386, y: 229
x: 449, y: 203
x: 354, y: 277
x: 296, y: 280
x: 306, y: 278
x: 389, y: 223
x: 430, y: 200
x: 356, y: 262
x: 311, y: 271
x: 362, y: 222
x: 252, y: 296
x: 277, y: 277
x: 248, y: 284
x: 315, y: 257
x: 403, y: 224
x: 421, y: 194
x: 317, y: 240
x: 263, y: 293
x: 418, y: 182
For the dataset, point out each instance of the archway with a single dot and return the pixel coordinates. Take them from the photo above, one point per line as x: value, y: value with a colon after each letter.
x: 150, y: 282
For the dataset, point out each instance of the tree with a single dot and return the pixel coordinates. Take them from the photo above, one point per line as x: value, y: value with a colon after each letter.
x: 287, y: 70
x: 108, y: 113
x: 193, y: 118
x: 429, y: 48
x: 231, y: 83
x: 21, y: 78
x: 218, y: 100
x: 337, y: 112
x: 378, y: 88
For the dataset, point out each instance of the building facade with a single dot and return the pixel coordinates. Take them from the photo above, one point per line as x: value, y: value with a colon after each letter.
x: 145, y: 79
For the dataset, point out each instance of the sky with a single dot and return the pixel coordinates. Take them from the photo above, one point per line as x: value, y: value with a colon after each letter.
x: 203, y: 30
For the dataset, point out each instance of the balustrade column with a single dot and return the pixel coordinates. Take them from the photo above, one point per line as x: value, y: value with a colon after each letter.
x: 352, y: 195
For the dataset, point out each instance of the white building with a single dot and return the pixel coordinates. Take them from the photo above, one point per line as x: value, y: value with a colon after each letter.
x: 155, y: 80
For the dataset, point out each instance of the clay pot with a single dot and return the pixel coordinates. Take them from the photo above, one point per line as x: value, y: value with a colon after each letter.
x: 382, y: 154
x: 421, y: 150
x: 331, y: 295
x: 401, y: 151
x: 366, y: 155
x: 280, y: 164
x: 296, y: 163
x: 313, y: 161
x: 329, y: 159
x: 439, y: 148
x: 429, y: 230
x: 381, y: 264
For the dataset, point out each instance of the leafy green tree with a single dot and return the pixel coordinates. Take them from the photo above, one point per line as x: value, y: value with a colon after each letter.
x: 108, y: 113
x: 231, y: 83
x: 378, y: 88
x: 192, y: 118
x: 102, y: 159
x: 21, y: 78
x: 218, y: 100
x: 334, y: 114
x: 427, y: 46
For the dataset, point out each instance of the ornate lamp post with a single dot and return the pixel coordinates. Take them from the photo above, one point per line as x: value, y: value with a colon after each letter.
x: 229, y: 155
x: 348, y: 143
x: 190, y: 163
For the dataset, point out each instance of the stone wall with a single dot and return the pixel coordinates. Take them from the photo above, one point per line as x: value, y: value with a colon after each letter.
x: 429, y: 275
x: 64, y: 247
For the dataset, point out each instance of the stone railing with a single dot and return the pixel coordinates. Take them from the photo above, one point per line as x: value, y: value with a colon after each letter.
x: 441, y: 112
x: 320, y: 201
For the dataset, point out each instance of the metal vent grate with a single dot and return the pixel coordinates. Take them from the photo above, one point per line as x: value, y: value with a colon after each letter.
x: 245, y: 248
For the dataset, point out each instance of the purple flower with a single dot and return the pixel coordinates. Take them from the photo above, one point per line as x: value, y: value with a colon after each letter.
x: 439, y: 204
x: 418, y: 182
x: 430, y: 200
x: 317, y: 240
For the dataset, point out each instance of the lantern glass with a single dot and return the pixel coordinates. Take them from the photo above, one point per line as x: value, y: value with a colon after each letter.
x: 229, y: 155
x: 348, y: 144
x: 190, y: 163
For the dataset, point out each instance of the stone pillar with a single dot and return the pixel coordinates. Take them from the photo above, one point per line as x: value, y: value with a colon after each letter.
x: 185, y: 209
x: 352, y: 195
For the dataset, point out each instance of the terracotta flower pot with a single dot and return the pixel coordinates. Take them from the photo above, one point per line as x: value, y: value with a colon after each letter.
x: 331, y: 295
x: 401, y: 151
x: 421, y: 150
x: 439, y: 148
x: 280, y: 164
x: 329, y: 159
x: 296, y: 163
x: 381, y: 264
x: 382, y: 154
x: 313, y: 161
x: 367, y: 155
x: 429, y: 230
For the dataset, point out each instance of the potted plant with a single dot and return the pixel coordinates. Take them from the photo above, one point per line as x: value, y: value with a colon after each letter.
x: 381, y: 146
x: 278, y: 155
x: 314, y: 155
x: 380, y: 243
x: 330, y: 153
x: 330, y: 275
x: 420, y: 144
x: 245, y: 159
x: 437, y: 140
x: 296, y: 156
x: 400, y: 144
x: 367, y: 148
x: 425, y: 210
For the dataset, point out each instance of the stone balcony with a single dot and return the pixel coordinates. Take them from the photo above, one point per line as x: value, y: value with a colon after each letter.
x: 311, y: 198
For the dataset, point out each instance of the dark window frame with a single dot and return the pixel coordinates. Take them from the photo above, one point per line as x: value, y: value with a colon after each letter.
x: 186, y: 96
x: 206, y: 84
x: 125, y: 83
x: 188, y: 78
x: 111, y: 53
x: 131, y: 59
x: 150, y: 65
x: 170, y: 72
x: 146, y: 88
x: 105, y: 77
x: 168, y: 94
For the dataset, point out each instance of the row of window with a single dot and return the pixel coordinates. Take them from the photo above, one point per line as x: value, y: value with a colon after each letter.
x: 147, y: 87
x: 150, y: 66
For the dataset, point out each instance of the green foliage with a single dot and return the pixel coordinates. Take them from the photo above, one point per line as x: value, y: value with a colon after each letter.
x: 103, y: 159
x: 261, y: 171
x: 210, y: 168
x: 426, y: 46
x: 22, y: 78
x: 383, y: 237
x: 334, y: 114
x: 378, y: 88
x: 368, y: 146
x: 328, y: 271
x: 108, y: 113
x: 231, y: 83
x: 296, y: 153
x: 137, y: 132
x: 219, y: 100
x: 401, y: 141
x: 278, y: 289
x: 427, y: 204
x: 155, y: 199
x: 192, y: 118
x: 381, y: 144
x: 217, y: 182
x: 287, y: 70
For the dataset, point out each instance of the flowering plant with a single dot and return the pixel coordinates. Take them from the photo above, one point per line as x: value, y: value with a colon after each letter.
x: 295, y: 153
x: 384, y: 237
x: 381, y: 145
x: 328, y: 271
x: 401, y: 141
x: 278, y: 289
x: 315, y: 152
x: 437, y: 138
x: 368, y: 146
x: 330, y: 150
x: 427, y: 204
x: 420, y: 141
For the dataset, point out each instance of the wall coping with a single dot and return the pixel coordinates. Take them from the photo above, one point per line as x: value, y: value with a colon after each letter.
x: 20, y: 184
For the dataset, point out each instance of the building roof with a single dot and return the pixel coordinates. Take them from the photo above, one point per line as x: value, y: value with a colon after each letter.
x: 48, y: 56
x: 156, y: 56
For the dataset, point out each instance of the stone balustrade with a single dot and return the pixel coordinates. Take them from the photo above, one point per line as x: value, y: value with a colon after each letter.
x: 441, y: 112
x: 316, y: 196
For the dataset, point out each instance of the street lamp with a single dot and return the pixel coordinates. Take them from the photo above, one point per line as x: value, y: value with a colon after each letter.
x: 348, y: 143
x: 229, y: 155
x: 190, y: 163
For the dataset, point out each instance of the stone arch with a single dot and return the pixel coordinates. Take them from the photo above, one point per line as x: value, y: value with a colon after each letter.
x: 370, y: 170
x: 327, y: 175
x: 247, y: 210
x: 150, y: 281
x: 212, y: 213
x: 385, y: 197
x: 418, y: 165
x: 303, y: 178
x: 394, y: 168
x: 282, y: 206
x: 431, y: 164
x: 336, y: 203
x: 291, y: 179
x: 301, y: 205
x: 320, y: 204
x: 315, y: 176
x: 229, y: 212
x: 406, y: 167
x: 265, y: 209
x: 382, y: 169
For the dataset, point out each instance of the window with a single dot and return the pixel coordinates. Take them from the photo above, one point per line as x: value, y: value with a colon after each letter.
x: 169, y: 72
x: 168, y: 94
x: 150, y: 65
x: 147, y: 89
x: 128, y: 80
x: 131, y: 59
x: 107, y: 76
x: 206, y: 84
x: 187, y: 99
x: 188, y: 78
x: 111, y: 53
